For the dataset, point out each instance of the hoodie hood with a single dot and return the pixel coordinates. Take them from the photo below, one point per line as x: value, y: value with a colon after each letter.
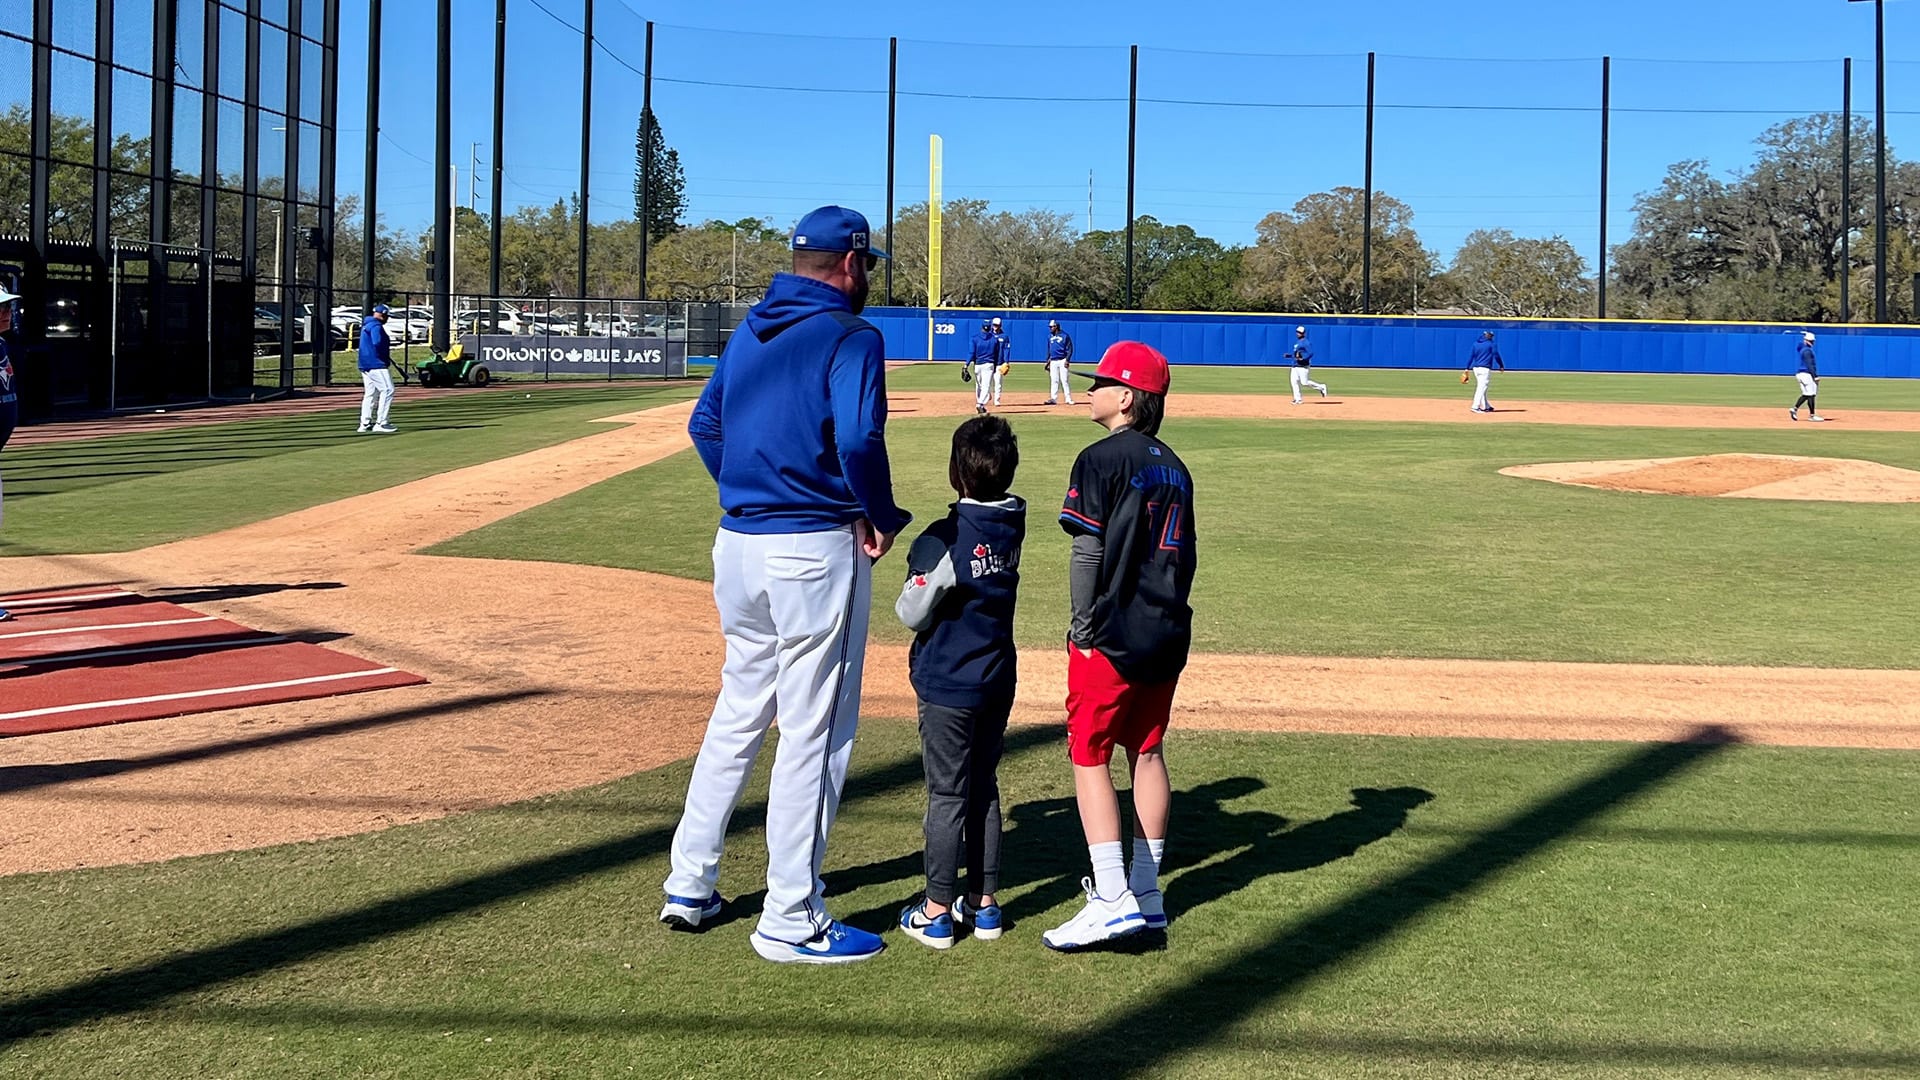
x: 790, y: 300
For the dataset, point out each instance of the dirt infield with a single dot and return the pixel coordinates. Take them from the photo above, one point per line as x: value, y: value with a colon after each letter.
x: 1738, y: 476
x: 545, y: 677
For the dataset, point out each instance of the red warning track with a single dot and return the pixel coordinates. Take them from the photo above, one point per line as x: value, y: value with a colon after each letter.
x: 106, y: 656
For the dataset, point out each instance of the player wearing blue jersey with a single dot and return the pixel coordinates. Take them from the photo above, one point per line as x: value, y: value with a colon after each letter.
x: 1302, y: 355
x: 1809, y: 379
x: 1059, y: 362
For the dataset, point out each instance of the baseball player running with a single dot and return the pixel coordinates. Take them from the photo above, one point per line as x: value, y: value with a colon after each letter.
x: 1481, y: 362
x: 1302, y: 354
x: 1809, y: 379
x: 1059, y: 360
x: 985, y: 361
x: 792, y: 427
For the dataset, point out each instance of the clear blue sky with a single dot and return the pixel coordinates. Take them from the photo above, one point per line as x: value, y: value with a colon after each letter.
x: 1487, y: 112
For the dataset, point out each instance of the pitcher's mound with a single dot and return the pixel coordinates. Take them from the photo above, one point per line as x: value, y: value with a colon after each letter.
x: 1740, y: 476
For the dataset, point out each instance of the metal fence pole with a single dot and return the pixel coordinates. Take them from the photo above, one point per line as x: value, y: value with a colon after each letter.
x: 1846, y: 189
x: 113, y: 331
x: 646, y: 156
x: 1133, y: 107
x: 1880, y: 161
x: 371, y: 226
x: 499, y: 142
x: 586, y: 139
x: 1366, y: 212
x: 1606, y: 106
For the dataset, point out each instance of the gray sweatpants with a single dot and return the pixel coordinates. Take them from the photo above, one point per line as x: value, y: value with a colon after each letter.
x: 961, y: 750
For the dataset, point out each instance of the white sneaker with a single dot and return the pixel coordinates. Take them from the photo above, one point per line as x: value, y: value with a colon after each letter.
x: 1101, y: 920
x: 384, y: 429
x: 1817, y: 419
x: 687, y: 913
x: 1323, y: 391
x: 362, y: 429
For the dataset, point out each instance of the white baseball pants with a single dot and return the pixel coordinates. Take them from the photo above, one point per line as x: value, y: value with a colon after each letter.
x: 986, y: 384
x: 1482, y: 376
x: 378, y: 400
x: 1303, y: 377
x: 793, y: 607
x: 1058, y: 388
x: 1808, y: 384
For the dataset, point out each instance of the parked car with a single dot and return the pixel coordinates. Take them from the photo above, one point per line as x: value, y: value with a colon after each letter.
x: 609, y: 326
x: 551, y: 325
x: 414, y: 324
x: 487, y: 321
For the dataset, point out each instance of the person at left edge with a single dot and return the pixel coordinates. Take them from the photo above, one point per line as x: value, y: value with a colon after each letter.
x: 792, y: 426
x: 9, y: 397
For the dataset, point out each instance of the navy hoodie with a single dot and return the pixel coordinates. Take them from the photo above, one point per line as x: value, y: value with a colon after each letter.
x: 962, y: 576
x: 793, y: 423
x: 9, y: 397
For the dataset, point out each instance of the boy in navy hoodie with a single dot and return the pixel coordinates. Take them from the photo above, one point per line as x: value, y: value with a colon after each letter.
x: 962, y: 575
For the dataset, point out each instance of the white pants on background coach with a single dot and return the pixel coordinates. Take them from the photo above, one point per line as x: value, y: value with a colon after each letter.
x: 377, y: 402
x: 986, y: 384
x: 1481, y: 377
x: 1058, y: 388
x: 794, y: 610
x: 1302, y: 377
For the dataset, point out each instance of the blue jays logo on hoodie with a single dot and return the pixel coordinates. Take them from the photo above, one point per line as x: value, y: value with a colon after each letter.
x: 6, y: 375
x: 987, y: 561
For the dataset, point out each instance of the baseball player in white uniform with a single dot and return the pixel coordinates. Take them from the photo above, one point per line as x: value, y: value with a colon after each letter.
x: 1003, y: 358
x: 1302, y: 354
x: 792, y: 428
x: 1059, y: 361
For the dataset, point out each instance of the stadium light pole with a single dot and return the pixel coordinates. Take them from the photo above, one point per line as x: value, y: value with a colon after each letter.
x: 443, y: 176
x: 1133, y: 107
x: 1879, y: 159
x: 1846, y: 189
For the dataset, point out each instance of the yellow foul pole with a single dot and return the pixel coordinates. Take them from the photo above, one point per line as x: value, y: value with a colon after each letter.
x: 933, y: 235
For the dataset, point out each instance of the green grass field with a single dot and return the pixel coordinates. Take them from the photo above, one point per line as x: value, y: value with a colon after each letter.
x: 1394, y: 540
x: 1836, y: 394
x: 1480, y: 908
x: 128, y: 491
x: 1343, y: 906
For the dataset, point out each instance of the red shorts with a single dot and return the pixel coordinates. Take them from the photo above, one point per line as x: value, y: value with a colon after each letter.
x: 1104, y: 710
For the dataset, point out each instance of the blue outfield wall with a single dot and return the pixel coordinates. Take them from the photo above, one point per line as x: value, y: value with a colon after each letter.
x: 1423, y: 342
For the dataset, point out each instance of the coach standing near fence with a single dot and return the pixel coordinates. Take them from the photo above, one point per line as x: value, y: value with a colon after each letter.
x: 9, y: 397
x: 376, y: 356
x: 792, y: 427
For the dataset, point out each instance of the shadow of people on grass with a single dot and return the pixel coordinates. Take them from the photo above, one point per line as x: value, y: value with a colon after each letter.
x: 1213, y: 849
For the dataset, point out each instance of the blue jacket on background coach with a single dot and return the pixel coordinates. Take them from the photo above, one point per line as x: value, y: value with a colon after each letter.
x: 376, y: 345
x: 792, y: 424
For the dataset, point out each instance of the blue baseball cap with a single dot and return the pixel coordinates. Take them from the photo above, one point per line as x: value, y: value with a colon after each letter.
x: 835, y: 228
x: 381, y: 309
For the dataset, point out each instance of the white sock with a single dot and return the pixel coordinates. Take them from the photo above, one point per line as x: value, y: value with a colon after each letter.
x: 1144, y: 875
x: 1109, y: 870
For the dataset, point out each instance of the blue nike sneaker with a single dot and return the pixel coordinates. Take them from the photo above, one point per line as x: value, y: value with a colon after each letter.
x: 986, y: 920
x: 837, y: 944
x: 935, y: 932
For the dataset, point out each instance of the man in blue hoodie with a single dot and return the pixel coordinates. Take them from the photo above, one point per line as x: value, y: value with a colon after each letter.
x: 1481, y: 361
x: 793, y: 428
x: 376, y: 356
x: 1809, y: 379
x: 985, y: 361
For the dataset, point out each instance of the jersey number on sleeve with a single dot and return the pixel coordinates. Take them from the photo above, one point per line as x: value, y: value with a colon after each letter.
x: 1171, y: 538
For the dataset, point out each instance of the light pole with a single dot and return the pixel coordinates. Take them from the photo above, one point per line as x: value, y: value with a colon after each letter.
x: 1879, y: 159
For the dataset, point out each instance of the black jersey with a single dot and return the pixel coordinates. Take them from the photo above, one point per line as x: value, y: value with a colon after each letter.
x: 1132, y: 493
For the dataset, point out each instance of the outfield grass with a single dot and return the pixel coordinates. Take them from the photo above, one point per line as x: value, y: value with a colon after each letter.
x: 1490, y: 908
x: 1395, y: 540
x: 128, y: 491
x: 1029, y: 381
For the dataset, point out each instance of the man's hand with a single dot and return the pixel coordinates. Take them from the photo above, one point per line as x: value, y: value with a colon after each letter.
x: 875, y: 544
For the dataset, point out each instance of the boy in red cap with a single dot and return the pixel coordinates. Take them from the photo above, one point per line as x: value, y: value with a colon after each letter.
x: 1129, y: 509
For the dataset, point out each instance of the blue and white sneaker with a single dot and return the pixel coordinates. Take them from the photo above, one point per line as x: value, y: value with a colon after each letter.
x: 686, y: 913
x: 987, y: 925
x: 1153, y: 908
x: 837, y: 944
x: 1100, y: 921
x: 935, y: 932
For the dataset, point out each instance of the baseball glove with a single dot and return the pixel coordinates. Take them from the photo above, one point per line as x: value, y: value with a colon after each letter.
x: 966, y: 372
x: 1004, y: 368
x: 1464, y: 376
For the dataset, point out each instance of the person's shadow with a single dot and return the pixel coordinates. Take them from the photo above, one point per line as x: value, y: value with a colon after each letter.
x: 1044, y: 847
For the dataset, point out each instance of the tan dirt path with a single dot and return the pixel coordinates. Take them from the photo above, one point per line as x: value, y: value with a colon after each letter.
x: 548, y: 677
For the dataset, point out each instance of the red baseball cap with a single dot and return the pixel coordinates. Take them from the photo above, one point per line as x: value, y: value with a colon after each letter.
x: 1132, y: 363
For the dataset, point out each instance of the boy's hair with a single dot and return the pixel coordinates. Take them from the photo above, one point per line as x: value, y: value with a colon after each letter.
x: 985, y: 453
x: 1147, y: 412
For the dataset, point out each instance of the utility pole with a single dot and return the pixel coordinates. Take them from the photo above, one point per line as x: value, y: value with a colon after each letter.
x: 1089, y: 200
x: 473, y: 178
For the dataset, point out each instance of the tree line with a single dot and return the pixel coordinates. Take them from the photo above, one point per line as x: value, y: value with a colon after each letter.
x: 1758, y: 243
